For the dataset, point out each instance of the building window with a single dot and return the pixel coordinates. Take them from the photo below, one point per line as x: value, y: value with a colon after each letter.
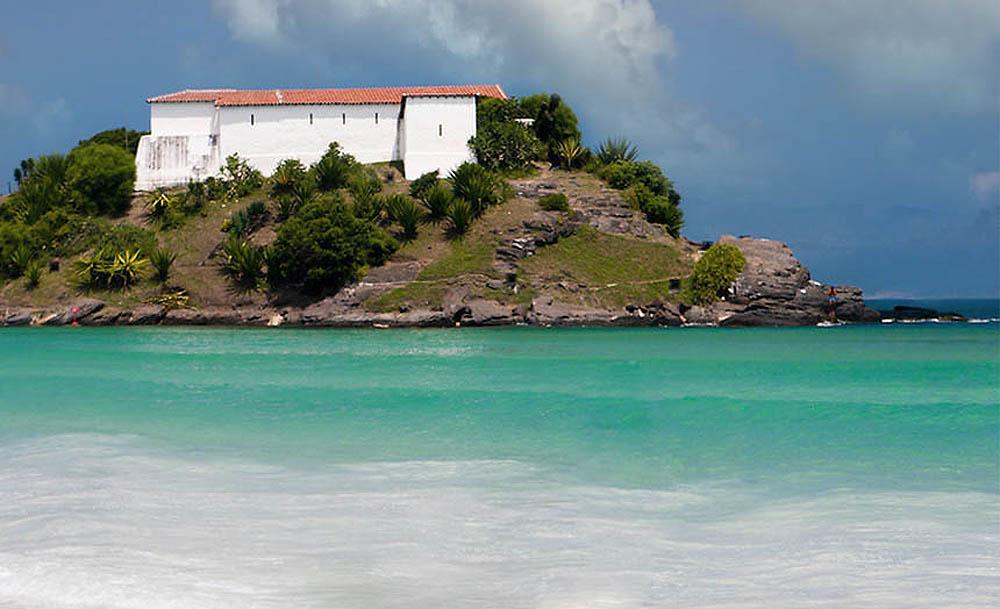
x: 310, y: 118
x: 343, y: 117
x: 440, y: 130
x: 376, y: 118
x: 251, y: 120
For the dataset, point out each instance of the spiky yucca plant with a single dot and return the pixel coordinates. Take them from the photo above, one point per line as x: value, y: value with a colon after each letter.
x: 161, y: 260
x: 438, y: 200
x: 405, y: 211
x: 569, y: 152
x: 460, y: 216
x: 616, y: 149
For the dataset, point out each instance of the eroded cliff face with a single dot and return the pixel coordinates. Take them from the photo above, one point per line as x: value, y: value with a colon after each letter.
x: 776, y: 290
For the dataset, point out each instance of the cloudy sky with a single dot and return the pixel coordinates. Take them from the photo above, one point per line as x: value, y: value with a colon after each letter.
x: 865, y: 133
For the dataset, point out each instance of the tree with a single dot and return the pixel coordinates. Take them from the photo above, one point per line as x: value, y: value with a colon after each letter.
x: 126, y: 139
x: 715, y: 272
x: 554, y: 121
x: 335, y: 169
x: 505, y: 145
x: 324, y: 246
x: 101, y: 177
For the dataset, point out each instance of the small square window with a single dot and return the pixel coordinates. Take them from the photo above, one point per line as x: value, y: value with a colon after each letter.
x: 343, y: 118
x: 310, y: 118
x: 251, y: 120
x: 440, y: 130
x: 376, y: 118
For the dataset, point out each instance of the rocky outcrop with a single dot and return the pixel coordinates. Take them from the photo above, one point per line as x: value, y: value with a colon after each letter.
x: 776, y: 290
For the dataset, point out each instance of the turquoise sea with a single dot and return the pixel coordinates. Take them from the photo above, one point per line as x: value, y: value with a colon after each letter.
x: 162, y: 468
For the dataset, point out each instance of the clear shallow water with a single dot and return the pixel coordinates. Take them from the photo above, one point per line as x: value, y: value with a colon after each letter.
x: 855, y: 466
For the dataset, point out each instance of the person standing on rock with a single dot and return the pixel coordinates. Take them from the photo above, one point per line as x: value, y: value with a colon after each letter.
x: 831, y: 303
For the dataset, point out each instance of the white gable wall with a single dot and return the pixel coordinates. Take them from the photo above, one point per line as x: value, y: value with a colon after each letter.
x: 190, y: 141
x: 180, y: 145
x: 285, y: 132
x: 436, y: 132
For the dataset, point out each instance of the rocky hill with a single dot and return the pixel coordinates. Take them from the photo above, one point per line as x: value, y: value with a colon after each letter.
x: 600, y: 263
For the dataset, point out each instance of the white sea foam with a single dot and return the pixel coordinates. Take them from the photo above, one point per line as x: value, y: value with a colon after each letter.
x: 105, y: 521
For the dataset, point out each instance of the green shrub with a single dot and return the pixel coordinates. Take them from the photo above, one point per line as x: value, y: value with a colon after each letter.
x: 195, y: 196
x: 46, y: 188
x: 335, y: 169
x: 554, y: 202
x: 33, y: 274
x: 460, y: 216
x: 405, y: 211
x: 126, y: 139
x: 364, y: 189
x: 325, y: 246
x: 19, y: 260
x: 658, y: 209
x: 161, y: 260
x: 625, y: 174
x: 613, y: 150
x: 715, y: 272
x: 505, y: 146
x: 247, y: 220
x: 101, y: 177
x: 110, y: 269
x: 291, y: 180
x: 243, y: 261
x: 420, y: 187
x: 554, y: 121
x: 241, y: 179
x: 127, y: 237
x: 438, y: 201
x: 474, y: 184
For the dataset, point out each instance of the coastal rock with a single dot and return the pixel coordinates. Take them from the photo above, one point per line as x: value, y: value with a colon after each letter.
x: 107, y: 317
x: 910, y: 313
x: 489, y: 313
x: 78, y: 311
x: 148, y: 315
x: 776, y: 290
x: 199, y: 317
x: 17, y: 317
x: 547, y: 312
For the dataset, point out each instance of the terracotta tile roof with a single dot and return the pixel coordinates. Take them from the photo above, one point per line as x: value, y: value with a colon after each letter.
x: 275, y: 97
x: 190, y: 95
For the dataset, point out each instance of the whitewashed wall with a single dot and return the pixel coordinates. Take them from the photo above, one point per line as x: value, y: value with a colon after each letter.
x: 190, y: 141
x: 285, y: 132
x: 435, y: 134
x: 180, y: 147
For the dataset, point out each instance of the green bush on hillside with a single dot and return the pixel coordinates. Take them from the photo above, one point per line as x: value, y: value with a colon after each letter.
x: 554, y: 202
x: 126, y: 139
x: 335, y: 169
x: 101, y: 177
x: 477, y: 186
x: 554, y: 121
x: 325, y: 246
x: 505, y: 146
x: 423, y: 185
x: 715, y: 272
x: 658, y: 209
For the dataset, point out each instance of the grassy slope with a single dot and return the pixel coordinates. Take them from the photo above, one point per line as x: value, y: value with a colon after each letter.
x: 594, y: 269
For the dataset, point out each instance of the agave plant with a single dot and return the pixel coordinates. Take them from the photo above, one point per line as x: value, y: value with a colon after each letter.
x: 438, y: 201
x: 33, y: 274
x: 126, y: 269
x: 367, y: 203
x: 460, y: 216
x: 244, y: 261
x: 20, y: 258
x: 291, y: 179
x: 161, y: 260
x: 480, y: 188
x: 406, y: 212
x: 569, y: 152
x: 159, y: 203
x: 616, y: 149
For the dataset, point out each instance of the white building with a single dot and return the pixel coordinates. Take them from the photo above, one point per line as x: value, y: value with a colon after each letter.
x: 192, y: 132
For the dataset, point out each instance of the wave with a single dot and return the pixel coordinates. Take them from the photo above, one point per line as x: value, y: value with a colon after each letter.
x: 100, y: 520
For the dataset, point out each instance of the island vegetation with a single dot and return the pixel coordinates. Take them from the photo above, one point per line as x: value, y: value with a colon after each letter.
x: 540, y: 217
